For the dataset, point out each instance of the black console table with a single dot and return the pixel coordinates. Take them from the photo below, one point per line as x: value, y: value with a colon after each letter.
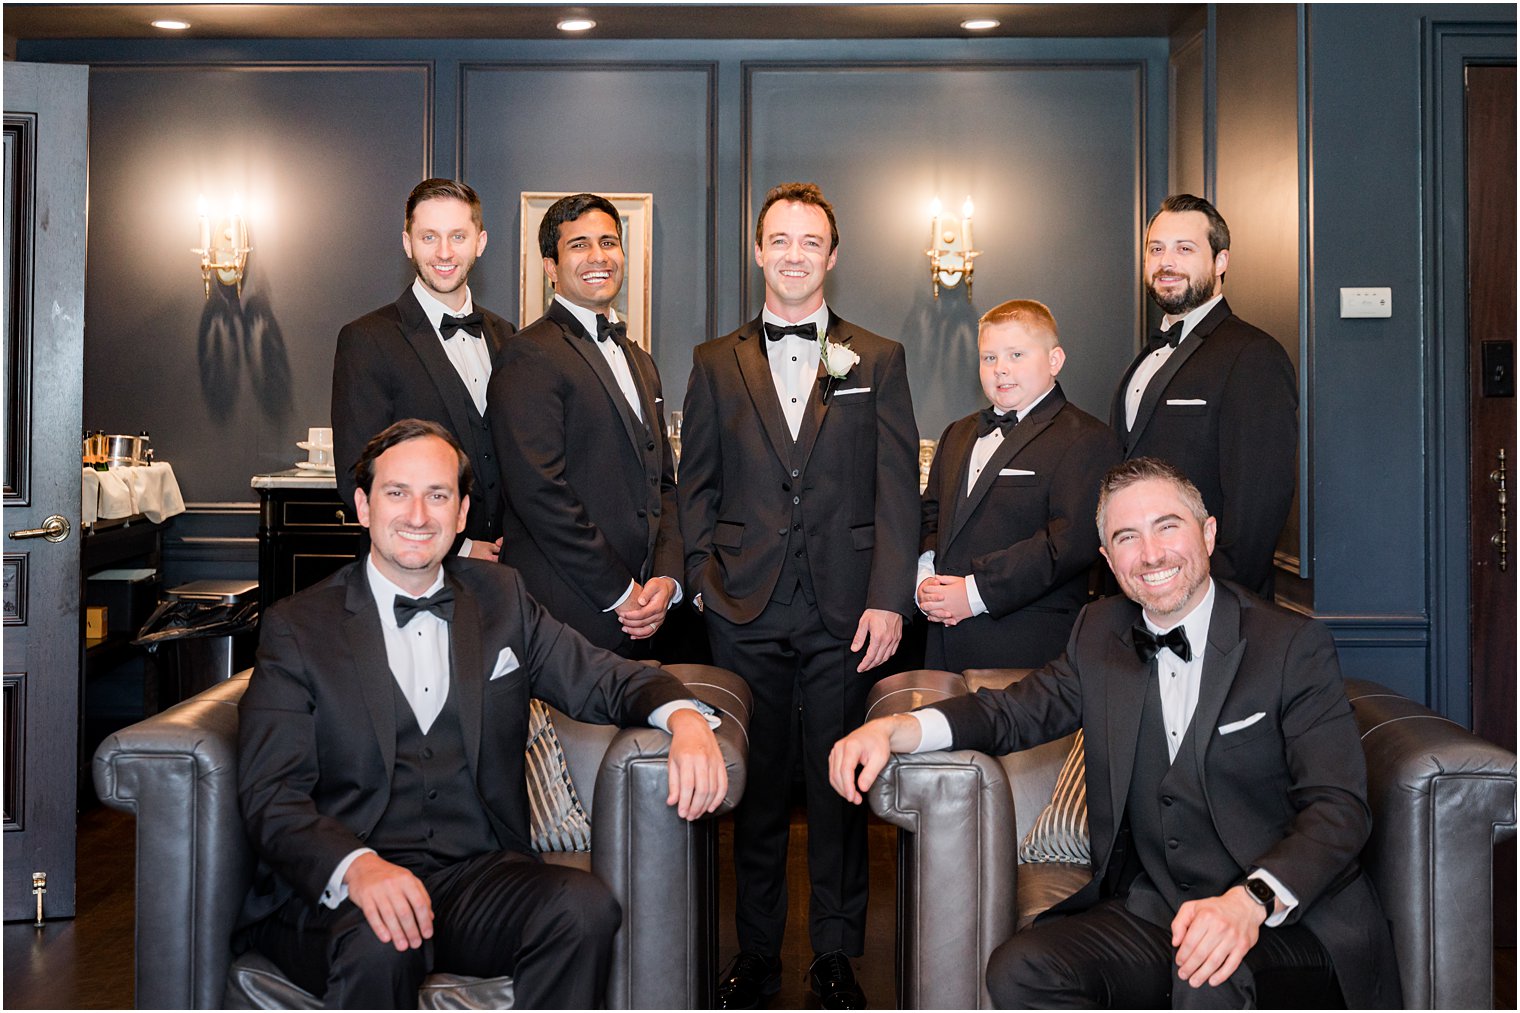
x: 305, y: 532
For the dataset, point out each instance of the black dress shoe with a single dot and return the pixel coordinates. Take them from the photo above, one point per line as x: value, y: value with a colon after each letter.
x: 748, y: 980
x: 833, y: 982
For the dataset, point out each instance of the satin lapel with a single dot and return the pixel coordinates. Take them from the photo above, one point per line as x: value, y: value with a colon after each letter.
x: 1128, y: 681
x: 1022, y: 435
x: 956, y: 447
x: 586, y: 349
x: 420, y: 335
x: 756, y: 371
x: 1221, y: 661
x: 368, y: 665
x: 493, y: 341
x: 1153, y: 390
x: 817, y: 407
x: 642, y: 367
x: 466, y: 672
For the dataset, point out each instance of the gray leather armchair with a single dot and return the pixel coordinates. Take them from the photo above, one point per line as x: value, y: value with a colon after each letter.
x: 178, y: 772
x: 1441, y: 799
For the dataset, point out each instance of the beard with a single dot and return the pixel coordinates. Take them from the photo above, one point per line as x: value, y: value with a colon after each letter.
x: 1165, y: 603
x: 1198, y: 291
x: 441, y: 285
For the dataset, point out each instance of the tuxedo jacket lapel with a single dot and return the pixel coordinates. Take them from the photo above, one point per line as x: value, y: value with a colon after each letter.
x: 756, y: 370
x: 423, y: 339
x: 1014, y: 441
x: 585, y: 347
x: 1221, y: 662
x: 817, y: 406
x: 1123, y: 698
x: 369, y: 665
x: 1153, y: 390
x: 466, y: 672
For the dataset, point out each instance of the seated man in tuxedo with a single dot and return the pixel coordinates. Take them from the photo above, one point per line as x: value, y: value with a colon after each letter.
x: 380, y: 763
x: 1226, y: 787
x: 1006, y: 538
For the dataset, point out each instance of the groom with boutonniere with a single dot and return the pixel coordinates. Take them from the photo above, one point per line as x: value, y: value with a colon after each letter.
x: 799, y: 507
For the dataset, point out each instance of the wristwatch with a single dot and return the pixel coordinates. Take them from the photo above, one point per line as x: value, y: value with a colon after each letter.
x: 1261, y: 893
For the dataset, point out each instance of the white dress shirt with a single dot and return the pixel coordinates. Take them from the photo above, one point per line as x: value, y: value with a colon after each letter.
x: 981, y: 452
x: 794, y: 363
x: 1152, y: 363
x: 617, y: 360
x: 469, y: 353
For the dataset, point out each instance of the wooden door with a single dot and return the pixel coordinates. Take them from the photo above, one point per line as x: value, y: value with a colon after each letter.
x: 45, y: 132
x: 1493, y: 484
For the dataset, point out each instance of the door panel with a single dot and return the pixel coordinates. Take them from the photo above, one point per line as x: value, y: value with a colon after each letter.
x: 45, y: 161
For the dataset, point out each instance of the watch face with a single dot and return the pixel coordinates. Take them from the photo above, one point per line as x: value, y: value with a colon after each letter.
x: 1261, y: 892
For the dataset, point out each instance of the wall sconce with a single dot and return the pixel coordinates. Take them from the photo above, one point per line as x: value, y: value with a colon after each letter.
x: 951, y: 257
x: 224, y: 249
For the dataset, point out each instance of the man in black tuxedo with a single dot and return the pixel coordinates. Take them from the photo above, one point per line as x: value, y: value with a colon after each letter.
x: 1212, y: 394
x: 1226, y: 788
x: 380, y: 760
x: 798, y: 503
x: 1007, y: 538
x: 428, y: 355
x: 577, y: 413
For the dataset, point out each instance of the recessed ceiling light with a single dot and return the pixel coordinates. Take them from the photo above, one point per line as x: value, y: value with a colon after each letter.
x: 576, y: 25
x: 979, y: 24
x: 171, y: 25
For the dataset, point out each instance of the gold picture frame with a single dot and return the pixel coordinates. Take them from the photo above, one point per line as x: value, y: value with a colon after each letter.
x: 633, y: 303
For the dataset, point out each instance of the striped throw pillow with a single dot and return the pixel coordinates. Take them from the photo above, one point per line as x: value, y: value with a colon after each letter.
x: 1059, y: 833
x: 559, y: 821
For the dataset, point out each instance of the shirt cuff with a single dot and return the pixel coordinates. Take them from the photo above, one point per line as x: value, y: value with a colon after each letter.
x: 464, y: 546
x: 933, y: 730
x: 974, y: 597
x: 337, y: 890
x: 624, y: 597
x: 1284, y: 895
x: 925, y: 571
x: 678, y: 596
x: 660, y: 716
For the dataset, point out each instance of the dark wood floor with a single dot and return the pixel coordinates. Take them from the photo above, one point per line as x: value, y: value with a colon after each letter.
x: 86, y: 962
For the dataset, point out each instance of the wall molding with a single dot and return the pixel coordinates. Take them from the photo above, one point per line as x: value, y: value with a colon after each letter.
x: 708, y: 68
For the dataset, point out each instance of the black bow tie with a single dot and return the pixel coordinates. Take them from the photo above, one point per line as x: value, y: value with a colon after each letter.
x: 470, y: 322
x: 1161, y: 337
x: 775, y: 332
x: 440, y: 603
x: 605, y: 329
x: 1148, y: 644
x: 987, y: 420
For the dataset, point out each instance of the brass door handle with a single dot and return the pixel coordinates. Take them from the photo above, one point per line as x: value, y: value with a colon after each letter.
x: 54, y: 529
x: 1500, y: 539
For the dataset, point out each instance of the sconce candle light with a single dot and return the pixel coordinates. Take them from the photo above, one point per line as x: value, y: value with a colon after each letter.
x: 224, y: 248
x: 951, y: 255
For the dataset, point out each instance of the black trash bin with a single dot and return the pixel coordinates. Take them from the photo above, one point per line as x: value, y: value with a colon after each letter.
x: 207, y: 630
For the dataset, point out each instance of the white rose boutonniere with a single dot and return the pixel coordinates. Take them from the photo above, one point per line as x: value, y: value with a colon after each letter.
x: 837, y: 359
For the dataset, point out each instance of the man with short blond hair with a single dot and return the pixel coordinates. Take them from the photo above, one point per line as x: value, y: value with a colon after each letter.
x: 1006, y: 545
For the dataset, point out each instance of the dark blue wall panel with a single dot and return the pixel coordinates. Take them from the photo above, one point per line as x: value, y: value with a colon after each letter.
x: 609, y: 129
x: 1053, y: 157
x: 322, y: 159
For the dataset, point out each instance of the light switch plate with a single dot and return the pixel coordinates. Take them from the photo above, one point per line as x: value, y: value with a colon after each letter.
x: 1366, y: 302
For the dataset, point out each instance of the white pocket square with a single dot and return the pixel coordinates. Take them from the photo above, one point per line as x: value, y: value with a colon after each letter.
x: 659, y: 400
x: 1235, y: 726
x: 1186, y: 401
x: 852, y: 390
x: 1014, y: 471
x: 506, y: 663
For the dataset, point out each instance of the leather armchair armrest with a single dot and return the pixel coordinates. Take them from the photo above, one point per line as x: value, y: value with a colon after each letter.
x: 956, y: 854
x: 660, y: 867
x: 1441, y: 798
x: 178, y: 772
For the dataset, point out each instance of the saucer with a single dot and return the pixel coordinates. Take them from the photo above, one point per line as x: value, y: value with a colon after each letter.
x: 321, y: 469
